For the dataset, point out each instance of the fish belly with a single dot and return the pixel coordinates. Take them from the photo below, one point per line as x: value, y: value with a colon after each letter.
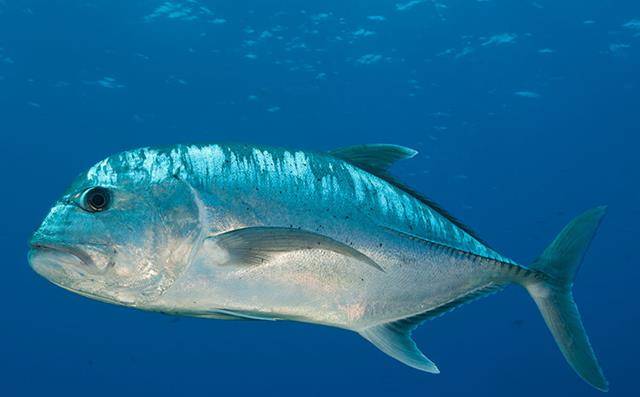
x: 328, y: 288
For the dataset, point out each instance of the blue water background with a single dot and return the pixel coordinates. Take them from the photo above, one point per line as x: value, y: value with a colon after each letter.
x: 525, y: 113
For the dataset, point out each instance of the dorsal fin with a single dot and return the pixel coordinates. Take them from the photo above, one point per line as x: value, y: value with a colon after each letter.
x: 378, y: 158
x: 375, y: 158
x: 436, y: 207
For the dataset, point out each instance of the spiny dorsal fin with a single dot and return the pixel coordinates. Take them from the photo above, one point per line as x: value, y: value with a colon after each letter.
x: 375, y: 158
x: 378, y: 158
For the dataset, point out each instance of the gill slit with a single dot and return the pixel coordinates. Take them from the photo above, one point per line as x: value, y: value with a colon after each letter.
x: 203, y: 220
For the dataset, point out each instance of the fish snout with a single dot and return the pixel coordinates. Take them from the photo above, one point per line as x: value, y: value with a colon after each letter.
x: 59, y: 262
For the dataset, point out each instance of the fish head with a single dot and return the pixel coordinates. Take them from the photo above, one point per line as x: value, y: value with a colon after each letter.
x: 120, y: 234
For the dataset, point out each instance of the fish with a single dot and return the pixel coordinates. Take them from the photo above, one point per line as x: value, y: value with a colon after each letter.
x: 257, y: 233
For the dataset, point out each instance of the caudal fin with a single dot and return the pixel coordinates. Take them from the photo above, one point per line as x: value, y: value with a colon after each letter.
x: 558, y: 265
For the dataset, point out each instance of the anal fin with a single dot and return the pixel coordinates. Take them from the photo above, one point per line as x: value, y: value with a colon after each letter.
x: 394, y: 339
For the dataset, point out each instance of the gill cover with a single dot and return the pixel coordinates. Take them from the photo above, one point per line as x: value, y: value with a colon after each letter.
x: 178, y: 230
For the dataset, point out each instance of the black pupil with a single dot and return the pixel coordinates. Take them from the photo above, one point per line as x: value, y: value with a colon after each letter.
x: 97, y: 199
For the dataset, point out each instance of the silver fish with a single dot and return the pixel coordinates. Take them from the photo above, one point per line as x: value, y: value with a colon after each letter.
x: 259, y: 233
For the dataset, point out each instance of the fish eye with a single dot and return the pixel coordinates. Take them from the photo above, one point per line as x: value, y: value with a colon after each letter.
x: 96, y: 199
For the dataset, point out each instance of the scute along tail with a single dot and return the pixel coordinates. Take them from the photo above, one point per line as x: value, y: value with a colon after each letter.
x: 558, y: 265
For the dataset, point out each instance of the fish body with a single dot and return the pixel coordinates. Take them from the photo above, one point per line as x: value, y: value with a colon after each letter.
x: 239, y: 187
x: 251, y: 232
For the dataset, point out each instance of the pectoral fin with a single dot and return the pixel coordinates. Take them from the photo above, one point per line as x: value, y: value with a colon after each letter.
x: 256, y: 245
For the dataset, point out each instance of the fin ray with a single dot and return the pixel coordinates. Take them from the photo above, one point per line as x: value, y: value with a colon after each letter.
x: 474, y: 295
x: 394, y: 338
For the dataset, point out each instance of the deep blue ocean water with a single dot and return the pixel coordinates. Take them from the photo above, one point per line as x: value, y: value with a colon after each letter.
x: 525, y: 114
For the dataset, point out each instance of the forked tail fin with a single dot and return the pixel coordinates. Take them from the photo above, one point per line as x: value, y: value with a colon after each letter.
x: 558, y: 265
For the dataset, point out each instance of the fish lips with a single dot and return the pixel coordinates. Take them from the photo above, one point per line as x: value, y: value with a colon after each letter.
x: 61, y: 263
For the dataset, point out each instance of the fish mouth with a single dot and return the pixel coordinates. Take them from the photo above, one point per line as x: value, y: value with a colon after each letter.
x: 67, y: 267
x: 80, y: 255
x: 53, y: 260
